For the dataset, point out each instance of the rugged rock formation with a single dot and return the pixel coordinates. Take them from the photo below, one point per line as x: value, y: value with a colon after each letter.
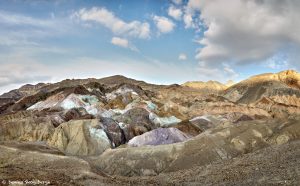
x: 135, y: 122
x: 23, y: 126
x: 81, y: 137
x: 221, y: 143
x: 114, y: 132
x: 15, y: 95
x: 27, y: 101
x: 173, y: 130
x: 279, y: 93
x: 265, y: 85
x: 19, y: 164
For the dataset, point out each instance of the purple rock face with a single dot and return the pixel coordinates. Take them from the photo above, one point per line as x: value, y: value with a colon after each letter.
x: 159, y: 136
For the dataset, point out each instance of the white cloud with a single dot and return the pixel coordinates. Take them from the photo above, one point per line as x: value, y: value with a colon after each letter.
x: 53, y: 25
x: 163, y: 24
x: 229, y: 72
x: 246, y: 31
x: 123, y: 43
x: 174, y: 12
x: 188, y: 20
x: 220, y: 73
x: 116, y: 25
x: 182, y: 57
x: 23, y: 31
x: 195, y: 5
x: 21, y: 74
x: 210, y: 73
x: 120, y: 42
x: 18, y: 19
x: 177, y: 2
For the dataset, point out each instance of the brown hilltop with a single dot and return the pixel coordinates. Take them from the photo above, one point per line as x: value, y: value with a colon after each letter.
x: 209, y: 85
x: 252, y: 89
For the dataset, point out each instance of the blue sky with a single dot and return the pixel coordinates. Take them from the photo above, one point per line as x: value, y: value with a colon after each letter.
x: 159, y: 41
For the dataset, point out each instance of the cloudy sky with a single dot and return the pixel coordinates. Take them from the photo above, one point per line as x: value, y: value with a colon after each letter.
x: 158, y: 41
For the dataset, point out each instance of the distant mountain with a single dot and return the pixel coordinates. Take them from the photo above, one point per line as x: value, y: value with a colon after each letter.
x: 265, y: 85
x: 26, y: 90
x: 211, y: 86
x: 16, y: 94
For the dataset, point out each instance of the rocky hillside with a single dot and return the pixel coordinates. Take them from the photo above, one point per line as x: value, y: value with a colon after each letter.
x: 277, y: 93
x: 120, y: 131
x: 256, y: 87
x: 210, y: 86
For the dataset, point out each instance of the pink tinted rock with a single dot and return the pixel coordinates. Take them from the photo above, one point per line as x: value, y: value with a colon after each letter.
x: 159, y: 136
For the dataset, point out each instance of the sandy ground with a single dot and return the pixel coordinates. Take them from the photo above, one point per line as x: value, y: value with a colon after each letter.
x: 277, y: 165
